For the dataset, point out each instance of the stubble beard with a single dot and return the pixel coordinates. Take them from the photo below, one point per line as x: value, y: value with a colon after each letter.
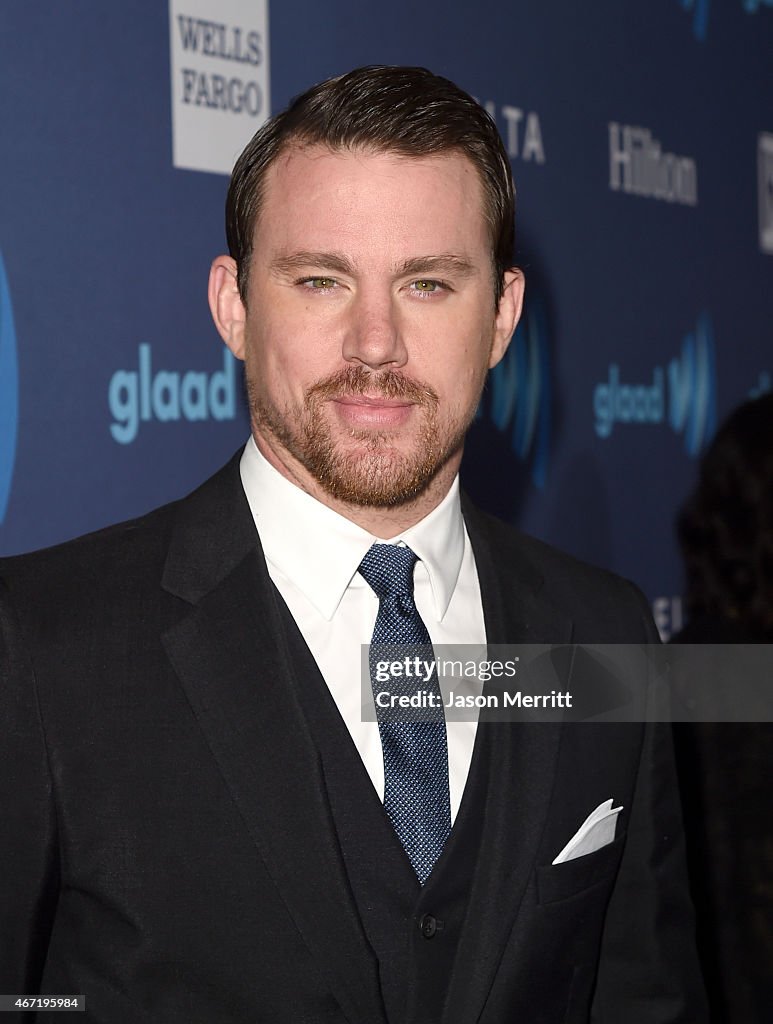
x: 372, y: 472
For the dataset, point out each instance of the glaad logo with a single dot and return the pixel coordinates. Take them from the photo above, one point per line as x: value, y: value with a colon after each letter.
x: 692, y: 398
x: 614, y: 402
x: 138, y: 396
x: 765, y: 181
x: 517, y: 399
x: 9, y: 392
x: 638, y: 167
x: 692, y: 387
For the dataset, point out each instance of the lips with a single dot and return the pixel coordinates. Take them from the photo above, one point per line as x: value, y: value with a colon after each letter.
x: 375, y: 401
x: 365, y: 402
x: 372, y: 410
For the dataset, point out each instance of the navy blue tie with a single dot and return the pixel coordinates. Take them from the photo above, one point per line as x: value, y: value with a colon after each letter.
x: 416, y: 795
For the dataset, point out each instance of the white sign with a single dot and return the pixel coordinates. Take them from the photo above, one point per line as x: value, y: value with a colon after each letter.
x: 219, y: 79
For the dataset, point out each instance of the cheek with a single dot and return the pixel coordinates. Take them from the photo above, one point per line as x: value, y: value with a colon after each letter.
x: 466, y: 368
x: 284, y: 360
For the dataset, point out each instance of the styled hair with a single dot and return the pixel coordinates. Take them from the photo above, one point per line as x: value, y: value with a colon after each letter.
x: 403, y: 110
x: 726, y: 527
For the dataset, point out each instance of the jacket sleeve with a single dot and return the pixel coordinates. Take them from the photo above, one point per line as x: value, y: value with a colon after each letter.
x: 29, y: 873
x: 649, y: 971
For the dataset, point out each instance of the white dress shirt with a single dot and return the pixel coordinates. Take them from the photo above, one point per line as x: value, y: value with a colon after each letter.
x: 313, y: 554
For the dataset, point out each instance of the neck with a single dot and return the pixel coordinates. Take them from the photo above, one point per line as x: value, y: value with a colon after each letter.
x: 383, y: 523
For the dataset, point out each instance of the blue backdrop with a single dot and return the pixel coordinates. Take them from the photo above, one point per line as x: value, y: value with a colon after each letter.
x: 641, y: 137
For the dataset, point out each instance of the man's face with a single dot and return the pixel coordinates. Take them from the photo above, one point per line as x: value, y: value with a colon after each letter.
x: 370, y: 320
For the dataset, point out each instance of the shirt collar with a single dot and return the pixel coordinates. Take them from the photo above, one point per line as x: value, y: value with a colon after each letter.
x: 319, y: 550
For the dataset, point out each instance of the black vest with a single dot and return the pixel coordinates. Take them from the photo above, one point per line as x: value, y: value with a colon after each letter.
x: 413, y: 931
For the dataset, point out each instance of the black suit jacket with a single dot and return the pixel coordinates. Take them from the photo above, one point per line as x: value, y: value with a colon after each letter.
x: 167, y: 846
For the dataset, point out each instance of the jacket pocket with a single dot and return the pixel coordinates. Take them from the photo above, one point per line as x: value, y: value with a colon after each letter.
x: 561, y: 881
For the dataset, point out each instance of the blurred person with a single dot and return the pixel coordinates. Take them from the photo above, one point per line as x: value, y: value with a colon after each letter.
x: 725, y: 531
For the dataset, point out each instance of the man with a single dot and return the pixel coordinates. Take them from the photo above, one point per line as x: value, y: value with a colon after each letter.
x: 197, y: 824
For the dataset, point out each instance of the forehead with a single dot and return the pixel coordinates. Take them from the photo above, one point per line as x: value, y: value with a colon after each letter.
x: 317, y: 198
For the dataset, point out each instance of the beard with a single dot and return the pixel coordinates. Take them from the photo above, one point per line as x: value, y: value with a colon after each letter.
x: 371, y: 471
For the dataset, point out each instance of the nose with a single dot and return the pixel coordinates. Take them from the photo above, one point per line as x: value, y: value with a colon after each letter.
x: 372, y: 336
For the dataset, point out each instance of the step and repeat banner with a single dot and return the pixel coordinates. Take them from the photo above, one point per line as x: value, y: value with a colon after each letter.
x: 641, y: 140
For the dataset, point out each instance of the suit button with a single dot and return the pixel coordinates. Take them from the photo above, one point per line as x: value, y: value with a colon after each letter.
x: 428, y: 926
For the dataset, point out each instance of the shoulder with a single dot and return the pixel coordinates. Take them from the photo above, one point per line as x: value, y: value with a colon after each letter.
x: 108, y: 568
x: 603, y: 606
x: 90, y: 570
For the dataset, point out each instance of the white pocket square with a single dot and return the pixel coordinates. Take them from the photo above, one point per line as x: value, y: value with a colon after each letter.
x: 596, y: 831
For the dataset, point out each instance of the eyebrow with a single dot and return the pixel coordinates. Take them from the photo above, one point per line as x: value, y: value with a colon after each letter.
x: 304, y: 259
x: 456, y: 266
x: 446, y: 263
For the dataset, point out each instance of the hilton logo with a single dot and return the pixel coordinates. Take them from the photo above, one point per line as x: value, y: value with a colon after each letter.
x: 9, y: 392
x: 638, y: 166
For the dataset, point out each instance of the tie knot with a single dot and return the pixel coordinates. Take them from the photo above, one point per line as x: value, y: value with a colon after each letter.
x: 388, y: 570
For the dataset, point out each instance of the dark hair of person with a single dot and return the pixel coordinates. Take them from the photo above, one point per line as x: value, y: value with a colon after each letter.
x: 726, y: 527
x: 403, y: 110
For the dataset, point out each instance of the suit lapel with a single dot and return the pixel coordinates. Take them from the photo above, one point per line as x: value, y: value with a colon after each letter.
x: 228, y: 649
x: 521, y: 760
x: 515, y: 606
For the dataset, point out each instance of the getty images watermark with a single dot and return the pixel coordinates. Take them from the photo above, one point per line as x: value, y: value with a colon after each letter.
x: 568, y: 682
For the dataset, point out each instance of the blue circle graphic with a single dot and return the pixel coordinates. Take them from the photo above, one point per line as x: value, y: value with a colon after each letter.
x: 519, y: 396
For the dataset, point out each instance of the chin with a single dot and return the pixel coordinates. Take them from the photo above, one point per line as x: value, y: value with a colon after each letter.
x: 386, y: 479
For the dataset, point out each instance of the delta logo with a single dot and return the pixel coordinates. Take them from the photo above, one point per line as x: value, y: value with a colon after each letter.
x: 682, y: 394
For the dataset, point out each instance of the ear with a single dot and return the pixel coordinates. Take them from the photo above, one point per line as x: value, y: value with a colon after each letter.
x: 508, y: 314
x: 226, y: 304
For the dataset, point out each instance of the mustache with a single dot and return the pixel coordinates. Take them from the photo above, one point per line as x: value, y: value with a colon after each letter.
x: 356, y: 380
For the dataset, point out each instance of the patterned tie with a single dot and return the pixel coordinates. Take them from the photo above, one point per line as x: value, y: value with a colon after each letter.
x: 416, y: 795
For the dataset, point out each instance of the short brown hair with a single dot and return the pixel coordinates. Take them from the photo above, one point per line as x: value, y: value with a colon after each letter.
x: 403, y: 110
